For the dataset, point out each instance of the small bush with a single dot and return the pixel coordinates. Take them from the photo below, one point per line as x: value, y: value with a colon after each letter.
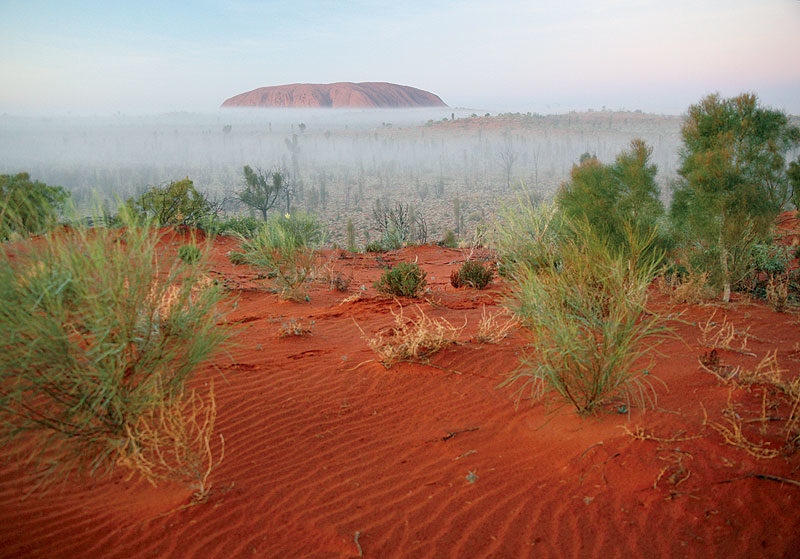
x: 587, y: 323
x: 286, y: 246
x: 473, y: 274
x: 177, y: 203
x: 449, y: 240
x: 413, y: 339
x: 374, y: 247
x: 406, y: 279
x: 526, y: 235
x: 189, y: 253
x: 106, y: 337
x: 28, y: 206
x: 771, y: 259
x: 245, y: 227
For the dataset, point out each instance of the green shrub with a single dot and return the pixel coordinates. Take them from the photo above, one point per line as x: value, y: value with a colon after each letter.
x: 189, y: 253
x: 526, y: 235
x: 771, y: 259
x: 106, y: 336
x: 587, y: 323
x: 245, y: 227
x: 406, y: 279
x: 28, y: 206
x: 286, y: 246
x: 449, y: 240
x: 374, y: 247
x: 472, y: 273
x: 177, y: 203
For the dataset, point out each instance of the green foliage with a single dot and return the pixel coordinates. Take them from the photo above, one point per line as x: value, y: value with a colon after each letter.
x: 261, y: 189
x: 734, y: 179
x: 587, y: 321
x: 374, y: 247
x: 614, y: 197
x: 449, y: 240
x: 94, y: 334
x: 28, y: 206
x: 526, y: 235
x: 406, y: 279
x: 238, y: 226
x: 177, y: 203
x: 286, y: 246
x: 237, y: 257
x: 472, y: 273
x: 190, y: 253
x: 771, y: 259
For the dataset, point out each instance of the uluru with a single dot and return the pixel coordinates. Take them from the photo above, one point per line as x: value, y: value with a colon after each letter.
x: 337, y: 95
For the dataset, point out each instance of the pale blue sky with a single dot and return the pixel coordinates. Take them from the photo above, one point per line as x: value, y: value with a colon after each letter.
x: 93, y: 57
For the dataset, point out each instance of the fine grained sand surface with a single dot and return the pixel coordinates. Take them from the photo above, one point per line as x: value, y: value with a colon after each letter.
x: 328, y: 454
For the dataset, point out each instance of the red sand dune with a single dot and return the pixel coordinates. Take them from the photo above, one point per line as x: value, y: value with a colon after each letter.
x: 329, y: 455
x: 336, y: 95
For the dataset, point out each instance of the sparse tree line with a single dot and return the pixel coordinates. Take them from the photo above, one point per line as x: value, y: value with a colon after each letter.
x: 98, y: 362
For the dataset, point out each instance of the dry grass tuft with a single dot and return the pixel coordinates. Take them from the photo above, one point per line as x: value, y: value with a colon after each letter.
x: 723, y: 335
x: 731, y: 432
x: 777, y: 292
x: 413, y: 339
x: 639, y: 433
x: 692, y: 289
x: 492, y: 329
x: 766, y: 372
x: 294, y: 327
x: 173, y: 441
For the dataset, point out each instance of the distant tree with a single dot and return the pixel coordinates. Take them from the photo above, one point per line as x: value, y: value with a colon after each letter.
x: 177, y: 203
x: 28, y: 206
x: 261, y: 189
x: 734, y: 178
x: 508, y: 156
x: 294, y: 150
x: 794, y: 181
x: 351, y: 235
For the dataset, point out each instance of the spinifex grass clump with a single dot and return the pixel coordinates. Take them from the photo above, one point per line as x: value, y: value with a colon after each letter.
x: 190, y: 253
x: 587, y: 322
x: 286, y: 246
x: 473, y: 274
x: 96, y: 331
x: 406, y: 279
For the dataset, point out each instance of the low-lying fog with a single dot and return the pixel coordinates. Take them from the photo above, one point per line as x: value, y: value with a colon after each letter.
x: 345, y: 159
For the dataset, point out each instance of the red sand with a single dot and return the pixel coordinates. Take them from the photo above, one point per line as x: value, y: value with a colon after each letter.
x: 330, y: 455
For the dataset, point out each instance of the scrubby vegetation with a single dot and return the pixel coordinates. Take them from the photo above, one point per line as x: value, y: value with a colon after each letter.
x: 587, y: 320
x: 286, y: 246
x: 473, y: 274
x: 406, y: 279
x: 28, y: 206
x: 103, y: 348
x: 177, y: 203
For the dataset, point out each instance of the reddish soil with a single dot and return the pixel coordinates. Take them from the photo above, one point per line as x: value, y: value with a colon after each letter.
x: 336, y: 95
x: 328, y: 454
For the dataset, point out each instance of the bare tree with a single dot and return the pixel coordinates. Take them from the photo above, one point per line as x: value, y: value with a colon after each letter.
x: 508, y: 156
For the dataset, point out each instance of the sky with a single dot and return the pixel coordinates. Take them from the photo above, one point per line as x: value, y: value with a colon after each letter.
x: 546, y: 56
